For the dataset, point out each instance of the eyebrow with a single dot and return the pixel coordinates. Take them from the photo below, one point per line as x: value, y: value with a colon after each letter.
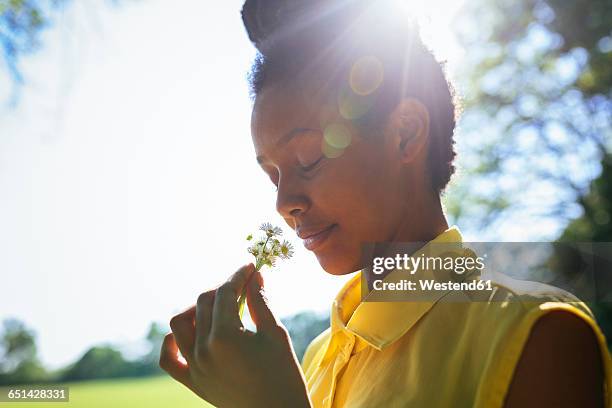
x: 286, y: 138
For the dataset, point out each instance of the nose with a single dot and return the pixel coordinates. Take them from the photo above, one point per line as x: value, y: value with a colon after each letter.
x: 291, y: 200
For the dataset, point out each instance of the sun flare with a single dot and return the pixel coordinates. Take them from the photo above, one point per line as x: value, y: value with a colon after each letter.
x: 435, y: 21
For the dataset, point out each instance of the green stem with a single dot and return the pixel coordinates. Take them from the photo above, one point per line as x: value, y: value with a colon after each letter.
x: 241, y: 303
x: 242, y: 297
x: 258, y: 265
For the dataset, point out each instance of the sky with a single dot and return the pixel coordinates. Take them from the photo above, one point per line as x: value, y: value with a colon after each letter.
x: 128, y: 181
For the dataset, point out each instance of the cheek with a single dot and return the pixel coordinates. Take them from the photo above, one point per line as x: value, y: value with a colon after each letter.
x: 353, y: 194
x: 359, y: 193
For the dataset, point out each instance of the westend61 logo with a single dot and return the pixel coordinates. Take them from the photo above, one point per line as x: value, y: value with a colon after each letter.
x: 411, y: 264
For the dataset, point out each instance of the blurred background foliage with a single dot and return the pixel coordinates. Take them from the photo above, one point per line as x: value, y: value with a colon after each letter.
x: 536, y: 127
x: 19, y: 363
x: 21, y: 24
x: 535, y: 145
x: 536, y: 132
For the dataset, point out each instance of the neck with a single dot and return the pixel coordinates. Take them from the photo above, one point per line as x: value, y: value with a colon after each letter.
x: 422, y: 222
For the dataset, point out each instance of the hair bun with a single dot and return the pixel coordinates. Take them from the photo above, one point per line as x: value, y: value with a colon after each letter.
x: 280, y: 24
x: 263, y: 18
x: 256, y: 21
x: 270, y: 23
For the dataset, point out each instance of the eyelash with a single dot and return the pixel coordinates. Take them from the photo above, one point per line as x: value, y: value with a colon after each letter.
x: 306, y: 169
x: 311, y: 166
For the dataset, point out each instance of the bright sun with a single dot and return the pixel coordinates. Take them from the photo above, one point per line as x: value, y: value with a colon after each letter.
x: 435, y: 18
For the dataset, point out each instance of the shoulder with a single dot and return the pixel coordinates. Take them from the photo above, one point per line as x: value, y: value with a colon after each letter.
x: 560, y: 365
x: 549, y: 350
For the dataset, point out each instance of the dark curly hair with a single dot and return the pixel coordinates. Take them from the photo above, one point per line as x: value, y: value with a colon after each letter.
x: 306, y: 41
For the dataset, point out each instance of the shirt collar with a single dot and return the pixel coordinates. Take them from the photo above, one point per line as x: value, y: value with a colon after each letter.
x: 380, y: 323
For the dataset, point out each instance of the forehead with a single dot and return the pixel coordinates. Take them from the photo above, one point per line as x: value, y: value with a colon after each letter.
x: 279, y: 109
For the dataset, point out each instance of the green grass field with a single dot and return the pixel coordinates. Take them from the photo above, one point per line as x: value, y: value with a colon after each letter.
x: 151, y: 392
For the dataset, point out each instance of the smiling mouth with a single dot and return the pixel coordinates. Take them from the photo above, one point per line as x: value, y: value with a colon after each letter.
x: 314, y: 241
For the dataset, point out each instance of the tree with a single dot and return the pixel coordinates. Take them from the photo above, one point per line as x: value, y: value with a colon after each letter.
x: 155, y: 338
x: 26, y: 372
x: 537, y: 110
x: 537, y: 125
x: 18, y: 344
x: 106, y: 361
x: 19, y: 362
x: 595, y: 225
x: 149, y: 363
x: 21, y: 24
x: 97, y: 362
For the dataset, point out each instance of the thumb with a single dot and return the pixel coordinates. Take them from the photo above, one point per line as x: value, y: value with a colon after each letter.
x: 260, y: 312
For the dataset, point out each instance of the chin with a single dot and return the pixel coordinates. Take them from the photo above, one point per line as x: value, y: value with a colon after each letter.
x: 338, y: 265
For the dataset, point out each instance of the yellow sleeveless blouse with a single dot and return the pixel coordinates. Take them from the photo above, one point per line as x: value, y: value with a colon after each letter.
x: 428, y: 354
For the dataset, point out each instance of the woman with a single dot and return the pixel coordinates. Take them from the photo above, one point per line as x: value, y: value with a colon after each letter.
x: 353, y: 122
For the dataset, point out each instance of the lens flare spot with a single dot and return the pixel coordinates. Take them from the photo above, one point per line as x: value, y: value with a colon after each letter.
x: 353, y: 106
x: 366, y: 75
x: 337, y: 135
x: 336, y: 138
x: 329, y: 151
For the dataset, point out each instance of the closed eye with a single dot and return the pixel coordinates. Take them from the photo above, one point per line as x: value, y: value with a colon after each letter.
x: 311, y: 166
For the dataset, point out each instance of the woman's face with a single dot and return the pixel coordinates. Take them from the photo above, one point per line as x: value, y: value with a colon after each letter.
x: 334, y: 204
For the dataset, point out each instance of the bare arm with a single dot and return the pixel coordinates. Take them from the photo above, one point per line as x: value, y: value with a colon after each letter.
x: 560, y: 367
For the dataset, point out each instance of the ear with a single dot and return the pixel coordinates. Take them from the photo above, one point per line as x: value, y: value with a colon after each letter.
x: 409, y: 128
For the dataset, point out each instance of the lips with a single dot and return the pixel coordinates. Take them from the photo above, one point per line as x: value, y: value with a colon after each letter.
x: 313, y: 237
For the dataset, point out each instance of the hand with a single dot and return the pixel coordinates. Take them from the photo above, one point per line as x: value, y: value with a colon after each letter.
x: 226, y: 364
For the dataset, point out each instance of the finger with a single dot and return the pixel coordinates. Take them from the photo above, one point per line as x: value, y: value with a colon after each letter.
x: 259, y: 309
x: 203, y: 320
x: 183, y: 327
x: 169, y: 362
x: 225, y: 308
